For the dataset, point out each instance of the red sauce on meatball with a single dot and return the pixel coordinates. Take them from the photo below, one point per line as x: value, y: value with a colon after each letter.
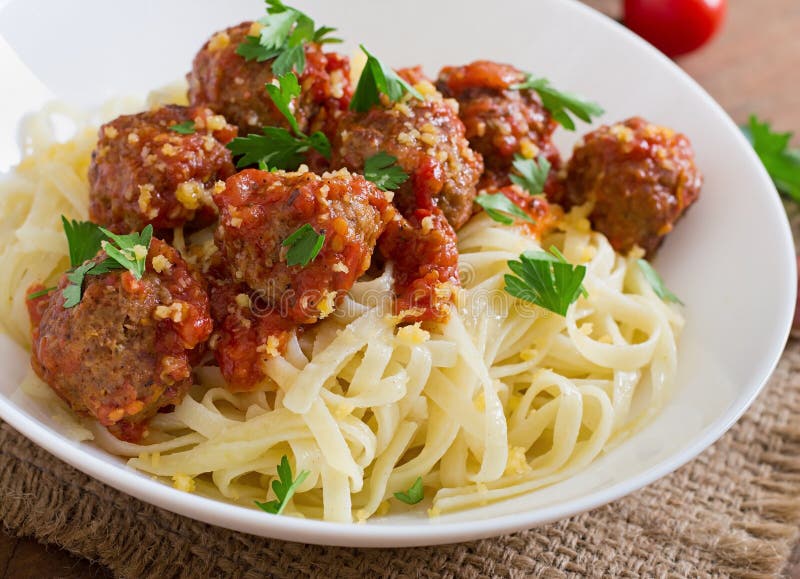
x: 424, y: 254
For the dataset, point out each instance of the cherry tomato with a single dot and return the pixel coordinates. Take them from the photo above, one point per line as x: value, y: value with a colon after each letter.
x: 675, y: 27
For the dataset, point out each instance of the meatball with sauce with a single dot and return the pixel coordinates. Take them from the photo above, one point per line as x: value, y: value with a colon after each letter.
x: 146, y: 172
x: 544, y: 215
x: 424, y: 257
x: 227, y: 83
x: 640, y: 177
x: 124, y: 351
x: 500, y: 122
x: 260, y: 210
x: 427, y: 138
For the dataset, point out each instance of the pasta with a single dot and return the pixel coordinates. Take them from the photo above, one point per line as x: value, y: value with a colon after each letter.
x: 503, y: 399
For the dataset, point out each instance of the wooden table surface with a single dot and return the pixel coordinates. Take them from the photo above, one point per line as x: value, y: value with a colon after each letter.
x: 753, y: 66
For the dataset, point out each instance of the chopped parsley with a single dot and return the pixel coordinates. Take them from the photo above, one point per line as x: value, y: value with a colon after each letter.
x: 413, y: 495
x: 377, y: 78
x: 655, y: 281
x: 781, y: 161
x: 304, y: 245
x: 40, y: 293
x: 277, y: 147
x: 185, y: 128
x: 500, y: 208
x: 284, y: 487
x: 382, y: 169
x: 531, y: 174
x: 561, y: 104
x: 546, y: 279
x: 85, y: 240
x: 285, y: 32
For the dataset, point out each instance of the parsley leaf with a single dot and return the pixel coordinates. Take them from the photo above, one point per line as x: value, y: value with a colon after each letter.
x: 278, y: 148
x: 655, y: 281
x: 782, y: 162
x: 282, y: 95
x: 185, y: 128
x: 283, y: 37
x: 130, y: 251
x: 73, y: 292
x: 559, y: 103
x: 413, y: 495
x: 83, y: 238
x: 377, y: 78
x: 304, y: 245
x: 284, y: 488
x: 545, y: 280
x: 40, y: 293
x: 531, y: 175
x: 382, y: 169
x: 499, y: 207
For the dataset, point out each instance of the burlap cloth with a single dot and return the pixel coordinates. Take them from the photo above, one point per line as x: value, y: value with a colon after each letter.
x: 734, y: 511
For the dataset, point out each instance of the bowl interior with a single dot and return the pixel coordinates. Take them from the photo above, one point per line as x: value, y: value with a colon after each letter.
x: 731, y: 259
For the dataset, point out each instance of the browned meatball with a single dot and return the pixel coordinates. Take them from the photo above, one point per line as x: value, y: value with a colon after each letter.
x: 427, y: 138
x: 500, y: 122
x: 143, y: 172
x: 227, y: 83
x: 259, y: 210
x: 122, y: 353
x: 640, y: 177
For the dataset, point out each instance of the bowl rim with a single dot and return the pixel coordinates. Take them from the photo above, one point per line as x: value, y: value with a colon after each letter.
x: 430, y: 532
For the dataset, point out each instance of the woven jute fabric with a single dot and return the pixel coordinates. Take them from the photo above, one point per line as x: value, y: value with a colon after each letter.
x: 734, y: 511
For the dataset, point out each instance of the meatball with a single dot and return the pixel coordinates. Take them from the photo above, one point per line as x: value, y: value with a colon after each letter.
x: 248, y: 329
x: 427, y: 138
x: 500, y: 122
x: 227, y: 83
x: 144, y: 172
x: 124, y: 351
x: 259, y: 210
x: 424, y: 257
x: 640, y: 177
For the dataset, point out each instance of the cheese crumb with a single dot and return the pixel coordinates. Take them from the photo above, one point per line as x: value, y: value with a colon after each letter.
x: 219, y: 41
x: 271, y: 347
x: 191, y: 195
x: 517, y: 461
x: 133, y: 138
x: 161, y: 263
x: 218, y: 188
x: 340, y: 267
x: 184, y: 483
x: 528, y: 149
x: 243, y: 300
x: 427, y: 224
x: 110, y: 132
x: 413, y: 335
x: 174, y: 312
x: 327, y: 304
x: 145, y: 198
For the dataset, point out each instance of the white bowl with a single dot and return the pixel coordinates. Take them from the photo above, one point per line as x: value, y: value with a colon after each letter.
x: 731, y: 259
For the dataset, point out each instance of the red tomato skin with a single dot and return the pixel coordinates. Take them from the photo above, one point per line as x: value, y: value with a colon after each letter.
x: 675, y: 27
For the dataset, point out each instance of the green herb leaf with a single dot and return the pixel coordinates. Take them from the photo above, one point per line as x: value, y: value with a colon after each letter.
x: 282, y: 95
x: 781, y: 162
x: 531, y: 175
x: 304, y: 245
x: 655, y: 281
x: 377, y: 78
x: 413, y: 495
x: 559, y: 103
x: 499, y: 207
x: 73, y: 292
x: 185, y: 128
x: 545, y: 280
x: 131, y: 250
x: 40, y: 293
x: 84, y: 239
x: 382, y: 169
x: 283, y: 37
x: 277, y: 148
x: 284, y: 488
